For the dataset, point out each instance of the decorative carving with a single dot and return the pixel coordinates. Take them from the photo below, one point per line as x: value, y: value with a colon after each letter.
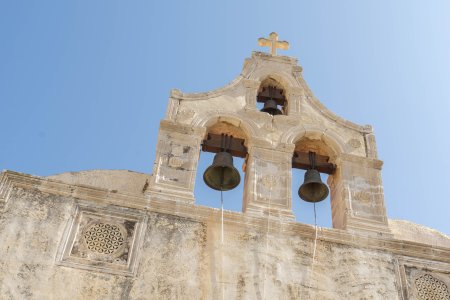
x: 365, y: 197
x: 185, y: 115
x: 431, y: 288
x: 269, y: 181
x: 104, y: 238
x: 175, y: 162
x: 354, y: 143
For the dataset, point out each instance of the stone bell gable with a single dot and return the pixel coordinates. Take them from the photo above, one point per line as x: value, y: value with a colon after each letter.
x: 356, y: 189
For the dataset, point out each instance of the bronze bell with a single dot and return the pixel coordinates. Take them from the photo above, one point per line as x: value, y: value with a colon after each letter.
x: 222, y: 175
x: 270, y: 106
x: 313, y: 189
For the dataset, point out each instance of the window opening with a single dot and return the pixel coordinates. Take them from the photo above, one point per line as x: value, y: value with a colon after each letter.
x: 304, y: 211
x: 218, y: 149
x: 312, y: 189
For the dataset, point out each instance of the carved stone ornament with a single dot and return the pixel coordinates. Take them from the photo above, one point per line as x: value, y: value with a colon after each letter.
x: 269, y: 181
x: 423, y: 279
x: 354, y: 143
x: 175, y: 162
x: 102, y: 239
x: 185, y: 115
x: 431, y: 288
x: 105, y: 238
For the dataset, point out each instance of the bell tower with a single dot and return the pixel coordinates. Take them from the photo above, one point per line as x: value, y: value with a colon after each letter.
x: 292, y: 130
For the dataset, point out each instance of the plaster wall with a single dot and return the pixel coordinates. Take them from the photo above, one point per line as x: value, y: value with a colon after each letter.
x: 179, y: 253
x: 183, y: 258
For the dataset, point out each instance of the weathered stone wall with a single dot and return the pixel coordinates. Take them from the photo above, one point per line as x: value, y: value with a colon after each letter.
x: 178, y: 253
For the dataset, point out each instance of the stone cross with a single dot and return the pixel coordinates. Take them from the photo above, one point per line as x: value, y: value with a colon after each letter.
x: 273, y: 43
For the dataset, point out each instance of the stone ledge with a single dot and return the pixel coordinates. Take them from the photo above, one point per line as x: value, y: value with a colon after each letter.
x: 10, y: 179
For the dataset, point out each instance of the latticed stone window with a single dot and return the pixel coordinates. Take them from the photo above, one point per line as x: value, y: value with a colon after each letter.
x: 431, y: 288
x: 104, y: 238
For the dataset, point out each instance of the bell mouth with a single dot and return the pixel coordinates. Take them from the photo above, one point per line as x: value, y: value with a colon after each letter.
x: 313, y: 189
x: 222, y: 175
x: 270, y: 107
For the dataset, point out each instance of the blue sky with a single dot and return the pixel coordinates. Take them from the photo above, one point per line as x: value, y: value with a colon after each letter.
x: 83, y: 84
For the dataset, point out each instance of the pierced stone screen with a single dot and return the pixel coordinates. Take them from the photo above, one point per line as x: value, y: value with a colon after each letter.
x: 104, y: 238
x: 430, y: 288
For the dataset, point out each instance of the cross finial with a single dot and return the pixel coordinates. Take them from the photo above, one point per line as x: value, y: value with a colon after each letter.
x: 273, y: 43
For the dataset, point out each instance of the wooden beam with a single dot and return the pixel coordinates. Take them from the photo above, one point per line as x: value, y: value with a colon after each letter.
x: 300, y: 160
x: 273, y: 93
x: 214, y: 144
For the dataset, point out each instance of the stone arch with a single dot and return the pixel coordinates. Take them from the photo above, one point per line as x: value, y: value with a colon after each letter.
x: 209, y: 119
x: 231, y: 124
x: 330, y: 138
x: 284, y: 78
x: 287, y: 83
x: 325, y: 142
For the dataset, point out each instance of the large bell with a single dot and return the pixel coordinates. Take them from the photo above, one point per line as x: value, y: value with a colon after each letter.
x: 222, y: 175
x: 270, y: 106
x: 313, y: 189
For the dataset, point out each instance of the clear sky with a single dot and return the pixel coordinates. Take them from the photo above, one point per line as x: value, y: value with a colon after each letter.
x: 83, y: 84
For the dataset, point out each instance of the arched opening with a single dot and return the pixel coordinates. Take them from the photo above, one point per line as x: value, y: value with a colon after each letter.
x: 234, y: 140
x: 325, y: 159
x: 271, y: 97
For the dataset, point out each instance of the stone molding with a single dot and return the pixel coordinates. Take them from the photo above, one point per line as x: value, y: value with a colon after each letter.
x: 408, y: 267
x: 179, y: 95
x: 251, y: 84
x: 170, y: 126
x: 363, y: 161
x: 152, y: 202
x: 11, y: 179
x: 314, y: 102
x: 253, y: 72
x: 75, y: 252
x: 251, y: 92
x: 275, y: 58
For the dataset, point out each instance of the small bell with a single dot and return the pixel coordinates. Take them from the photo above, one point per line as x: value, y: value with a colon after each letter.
x: 222, y: 175
x: 313, y: 189
x: 270, y: 107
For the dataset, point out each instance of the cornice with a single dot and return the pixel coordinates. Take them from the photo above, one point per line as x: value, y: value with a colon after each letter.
x: 364, y: 161
x: 153, y: 202
x: 11, y: 179
x: 276, y: 58
x: 179, y: 95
